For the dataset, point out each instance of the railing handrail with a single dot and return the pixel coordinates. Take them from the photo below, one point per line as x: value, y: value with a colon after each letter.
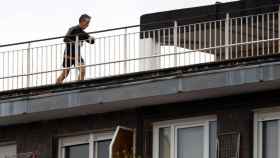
x: 133, y: 26
x: 58, y: 37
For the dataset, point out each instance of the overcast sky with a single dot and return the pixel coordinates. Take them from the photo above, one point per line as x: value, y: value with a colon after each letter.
x: 23, y: 20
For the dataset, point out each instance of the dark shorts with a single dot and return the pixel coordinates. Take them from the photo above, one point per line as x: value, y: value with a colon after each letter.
x: 68, y: 62
x: 69, y: 57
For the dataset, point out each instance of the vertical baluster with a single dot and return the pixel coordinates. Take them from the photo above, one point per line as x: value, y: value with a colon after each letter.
x: 268, y: 33
x: 241, y: 41
x: 220, y: 40
x: 205, y: 40
x: 215, y: 41
x: 125, y: 50
x: 46, y: 65
x: 175, y: 41
x: 12, y: 67
x: 278, y: 22
x: 258, y: 38
x: 227, y: 36
x: 169, y: 45
x: 179, y: 45
x: 104, y: 57
x: 28, y: 65
x: 230, y: 37
x: 184, y: 56
x: 210, y: 43
x: 189, y: 38
x: 252, y: 35
x: 109, y: 54
x: 17, y: 70
x: 3, y: 62
x: 273, y: 33
x: 56, y: 62
x: 164, y: 47
x: 247, y: 35
x: 8, y: 70
x: 51, y: 64
x: 100, y: 57
x: 134, y: 52
x: 95, y: 57
x: 77, y: 43
x: 236, y: 37
x: 199, y: 42
x: 194, y: 61
x: 263, y: 34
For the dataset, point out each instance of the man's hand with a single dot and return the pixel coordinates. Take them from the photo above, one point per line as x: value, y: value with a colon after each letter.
x: 91, y: 40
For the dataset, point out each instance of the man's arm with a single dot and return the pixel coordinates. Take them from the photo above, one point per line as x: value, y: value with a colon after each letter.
x: 85, y: 36
x: 69, y: 36
x: 91, y: 40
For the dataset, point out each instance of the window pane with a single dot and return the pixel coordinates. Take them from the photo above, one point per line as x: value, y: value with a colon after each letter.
x: 270, y: 139
x: 212, y: 137
x: 190, y: 142
x: 164, y: 142
x: 77, y: 151
x: 102, y: 149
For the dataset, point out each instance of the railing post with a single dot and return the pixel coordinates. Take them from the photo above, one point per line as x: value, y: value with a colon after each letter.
x: 125, y: 50
x: 76, y: 56
x: 28, y: 65
x: 227, y: 36
x: 278, y: 28
x: 175, y: 35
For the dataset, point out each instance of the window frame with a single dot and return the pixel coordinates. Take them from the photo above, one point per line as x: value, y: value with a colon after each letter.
x: 261, y: 116
x: 174, y: 125
x: 89, y: 139
x: 9, y: 143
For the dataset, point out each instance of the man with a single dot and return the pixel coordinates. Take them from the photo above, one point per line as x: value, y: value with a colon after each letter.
x: 71, y: 57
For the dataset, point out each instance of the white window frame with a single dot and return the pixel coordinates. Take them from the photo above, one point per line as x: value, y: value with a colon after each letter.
x: 9, y: 143
x: 259, y: 117
x: 89, y: 139
x: 182, y: 123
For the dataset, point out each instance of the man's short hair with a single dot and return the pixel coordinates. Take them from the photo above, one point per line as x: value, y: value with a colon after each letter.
x: 84, y: 17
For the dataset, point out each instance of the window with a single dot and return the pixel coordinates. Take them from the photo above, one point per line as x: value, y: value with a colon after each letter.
x: 85, y: 146
x: 186, y: 138
x: 267, y: 134
x: 102, y: 148
x: 81, y: 151
x: 8, y: 150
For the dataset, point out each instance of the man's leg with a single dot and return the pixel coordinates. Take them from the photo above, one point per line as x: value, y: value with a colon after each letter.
x: 66, y: 64
x: 82, y: 71
x: 62, y: 76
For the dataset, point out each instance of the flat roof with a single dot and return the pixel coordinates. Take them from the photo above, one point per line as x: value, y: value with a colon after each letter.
x: 206, y: 13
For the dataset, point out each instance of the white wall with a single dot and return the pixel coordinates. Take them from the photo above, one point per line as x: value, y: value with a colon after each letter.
x: 149, y: 47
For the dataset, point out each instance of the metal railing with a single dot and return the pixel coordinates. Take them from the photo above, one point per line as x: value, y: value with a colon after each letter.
x: 127, y: 50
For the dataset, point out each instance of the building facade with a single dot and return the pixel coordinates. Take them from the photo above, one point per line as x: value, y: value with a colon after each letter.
x: 228, y: 108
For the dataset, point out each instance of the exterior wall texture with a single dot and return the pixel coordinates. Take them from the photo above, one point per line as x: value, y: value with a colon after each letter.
x: 234, y: 113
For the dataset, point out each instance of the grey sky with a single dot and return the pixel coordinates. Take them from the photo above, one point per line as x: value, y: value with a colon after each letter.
x: 23, y: 20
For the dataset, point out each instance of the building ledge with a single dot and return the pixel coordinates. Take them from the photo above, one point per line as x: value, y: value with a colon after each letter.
x: 123, y: 92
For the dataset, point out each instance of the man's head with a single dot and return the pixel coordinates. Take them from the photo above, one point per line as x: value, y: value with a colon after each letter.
x: 84, y: 21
